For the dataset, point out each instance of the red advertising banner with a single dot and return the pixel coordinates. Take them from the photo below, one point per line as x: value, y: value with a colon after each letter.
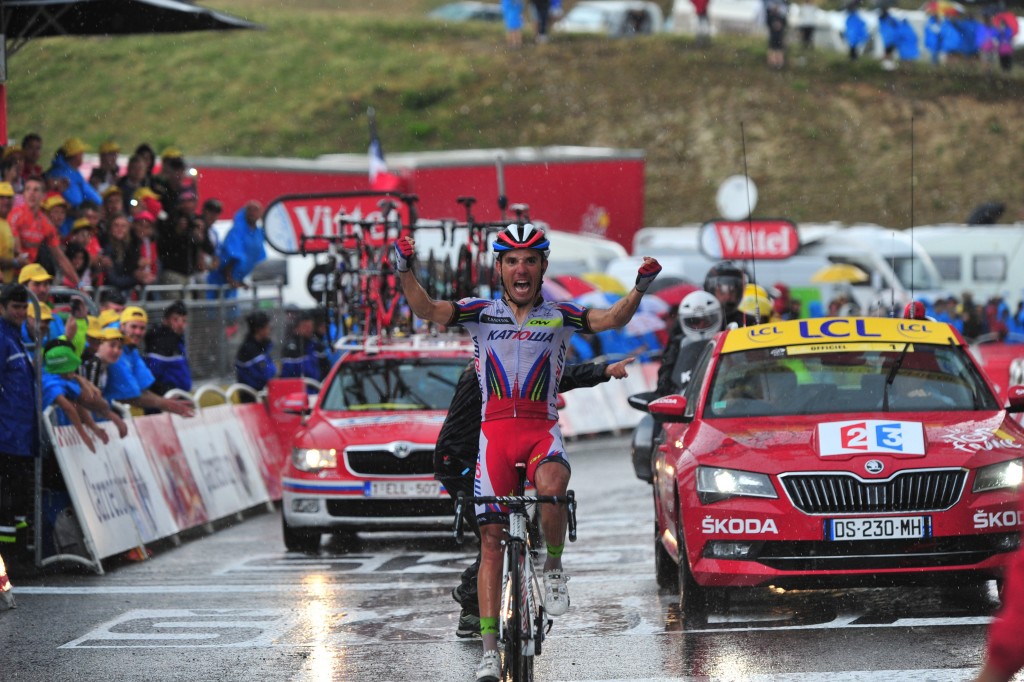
x: 773, y: 239
x: 258, y: 427
x: 166, y: 456
x: 293, y: 222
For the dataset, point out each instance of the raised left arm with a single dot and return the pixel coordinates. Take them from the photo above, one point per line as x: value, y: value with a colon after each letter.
x: 621, y: 312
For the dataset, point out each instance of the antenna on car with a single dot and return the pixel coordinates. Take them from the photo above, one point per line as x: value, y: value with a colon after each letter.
x: 912, y: 183
x: 750, y: 226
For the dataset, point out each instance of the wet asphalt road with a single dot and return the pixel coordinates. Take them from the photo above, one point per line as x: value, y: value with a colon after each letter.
x: 235, y: 605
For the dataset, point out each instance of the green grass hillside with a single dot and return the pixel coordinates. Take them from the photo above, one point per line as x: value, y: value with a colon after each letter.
x: 828, y: 140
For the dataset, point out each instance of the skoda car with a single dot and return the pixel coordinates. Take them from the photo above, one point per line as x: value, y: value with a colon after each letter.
x: 835, y: 452
x: 362, y: 461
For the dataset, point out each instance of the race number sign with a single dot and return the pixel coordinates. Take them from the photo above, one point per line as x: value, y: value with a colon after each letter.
x: 292, y: 223
x: 874, y: 436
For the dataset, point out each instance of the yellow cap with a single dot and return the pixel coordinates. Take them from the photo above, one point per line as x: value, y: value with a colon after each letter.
x: 134, y: 313
x: 113, y: 189
x: 73, y: 146
x: 145, y: 193
x: 81, y: 224
x: 6, y: 190
x: 53, y: 200
x: 101, y: 333
x: 12, y: 150
x: 45, y: 313
x: 171, y: 153
x: 34, y: 272
x: 107, y: 317
x: 109, y: 146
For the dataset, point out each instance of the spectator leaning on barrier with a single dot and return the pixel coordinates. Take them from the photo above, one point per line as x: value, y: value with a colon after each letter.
x: 19, y: 434
x: 102, y: 350
x: 62, y: 388
x: 129, y: 379
x: 254, y: 365
x: 241, y: 250
x: 303, y: 355
x: 35, y: 231
x: 166, y: 355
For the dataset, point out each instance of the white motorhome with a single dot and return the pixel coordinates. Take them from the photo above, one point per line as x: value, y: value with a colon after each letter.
x: 986, y: 260
x: 894, y: 264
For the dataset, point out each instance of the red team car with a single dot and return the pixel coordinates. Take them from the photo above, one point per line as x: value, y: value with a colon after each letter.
x: 835, y: 451
x: 363, y: 459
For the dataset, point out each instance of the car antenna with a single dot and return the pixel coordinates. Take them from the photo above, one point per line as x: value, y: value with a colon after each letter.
x: 912, y: 183
x: 750, y: 227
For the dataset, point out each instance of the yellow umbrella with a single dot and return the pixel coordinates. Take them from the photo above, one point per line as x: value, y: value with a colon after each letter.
x: 606, y: 283
x: 838, y: 273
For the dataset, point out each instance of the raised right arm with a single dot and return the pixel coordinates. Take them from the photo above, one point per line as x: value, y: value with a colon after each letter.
x: 421, y: 304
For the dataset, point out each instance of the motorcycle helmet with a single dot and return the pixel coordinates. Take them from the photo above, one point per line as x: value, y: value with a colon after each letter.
x: 725, y: 281
x: 700, y: 315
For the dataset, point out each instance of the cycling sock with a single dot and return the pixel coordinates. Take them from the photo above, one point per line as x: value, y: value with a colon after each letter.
x: 554, y: 559
x: 488, y: 626
x: 555, y: 551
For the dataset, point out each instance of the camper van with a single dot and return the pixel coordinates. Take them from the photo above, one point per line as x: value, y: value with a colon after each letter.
x: 895, y: 266
x: 986, y: 260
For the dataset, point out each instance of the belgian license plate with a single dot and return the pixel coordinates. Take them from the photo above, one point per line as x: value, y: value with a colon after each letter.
x: 405, y: 489
x: 879, y: 528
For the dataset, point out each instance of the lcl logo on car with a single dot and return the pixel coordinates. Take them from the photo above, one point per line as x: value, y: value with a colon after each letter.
x: 873, y: 466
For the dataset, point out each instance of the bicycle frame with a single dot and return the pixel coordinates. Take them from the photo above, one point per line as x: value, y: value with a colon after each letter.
x: 522, y: 617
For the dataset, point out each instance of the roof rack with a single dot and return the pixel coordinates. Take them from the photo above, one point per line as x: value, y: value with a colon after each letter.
x: 414, y: 343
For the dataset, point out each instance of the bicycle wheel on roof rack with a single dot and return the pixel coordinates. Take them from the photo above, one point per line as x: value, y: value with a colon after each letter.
x: 430, y: 283
x: 465, y: 277
x: 448, y: 279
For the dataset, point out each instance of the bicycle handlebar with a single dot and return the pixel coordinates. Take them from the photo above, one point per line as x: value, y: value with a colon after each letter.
x: 516, y: 502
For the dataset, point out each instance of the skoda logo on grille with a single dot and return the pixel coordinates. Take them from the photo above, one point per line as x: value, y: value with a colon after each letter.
x: 401, y: 450
x: 873, y: 466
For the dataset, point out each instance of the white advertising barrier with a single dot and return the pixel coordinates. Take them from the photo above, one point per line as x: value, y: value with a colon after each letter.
x: 113, y: 490
x: 222, y: 461
x: 604, y: 408
x: 168, y: 474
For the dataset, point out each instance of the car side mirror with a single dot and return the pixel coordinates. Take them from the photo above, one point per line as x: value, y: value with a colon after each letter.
x: 1015, y: 398
x: 671, y: 408
x: 295, y: 403
x: 640, y: 401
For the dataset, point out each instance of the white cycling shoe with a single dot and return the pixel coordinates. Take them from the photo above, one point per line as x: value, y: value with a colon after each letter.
x: 556, y: 594
x: 489, y: 669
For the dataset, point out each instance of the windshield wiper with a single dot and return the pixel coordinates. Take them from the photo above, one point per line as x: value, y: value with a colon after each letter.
x: 892, y: 376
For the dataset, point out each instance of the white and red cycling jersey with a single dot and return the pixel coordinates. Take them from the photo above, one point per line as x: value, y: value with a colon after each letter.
x: 519, y: 365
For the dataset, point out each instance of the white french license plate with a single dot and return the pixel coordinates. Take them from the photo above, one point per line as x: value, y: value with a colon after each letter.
x: 879, y: 528
x: 407, y: 489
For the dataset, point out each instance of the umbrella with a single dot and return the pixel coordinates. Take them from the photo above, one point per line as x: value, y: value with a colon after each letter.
x: 943, y: 8
x: 664, y: 282
x: 1008, y: 19
x: 606, y: 282
x: 576, y: 286
x: 553, y: 291
x: 674, y: 294
x: 838, y: 273
x: 643, y: 323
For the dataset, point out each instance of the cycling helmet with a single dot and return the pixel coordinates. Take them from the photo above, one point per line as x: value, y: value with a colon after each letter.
x: 524, y: 236
x: 700, y: 315
x: 725, y: 282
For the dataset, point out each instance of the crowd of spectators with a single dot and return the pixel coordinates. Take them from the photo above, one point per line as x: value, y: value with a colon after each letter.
x: 119, y: 231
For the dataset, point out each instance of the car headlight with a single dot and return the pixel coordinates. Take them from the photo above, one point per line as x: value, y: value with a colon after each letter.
x: 313, y: 459
x: 997, y: 476
x: 715, y: 484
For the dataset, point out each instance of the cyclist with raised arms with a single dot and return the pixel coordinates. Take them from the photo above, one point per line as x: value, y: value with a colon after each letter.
x: 520, y: 347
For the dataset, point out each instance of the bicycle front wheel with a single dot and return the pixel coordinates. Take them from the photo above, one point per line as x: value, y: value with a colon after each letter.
x: 518, y: 632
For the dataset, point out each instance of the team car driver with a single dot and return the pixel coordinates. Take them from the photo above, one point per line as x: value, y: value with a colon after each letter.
x: 520, y: 345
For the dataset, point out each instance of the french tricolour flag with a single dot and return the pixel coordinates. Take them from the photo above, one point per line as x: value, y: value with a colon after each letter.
x: 380, y: 178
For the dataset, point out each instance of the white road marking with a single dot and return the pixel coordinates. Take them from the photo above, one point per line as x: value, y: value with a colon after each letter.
x: 930, y: 675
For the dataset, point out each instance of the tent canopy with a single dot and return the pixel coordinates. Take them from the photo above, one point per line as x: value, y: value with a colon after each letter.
x: 23, y: 20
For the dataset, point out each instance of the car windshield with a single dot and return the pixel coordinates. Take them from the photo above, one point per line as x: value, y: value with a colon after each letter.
x: 801, y: 381
x: 420, y: 383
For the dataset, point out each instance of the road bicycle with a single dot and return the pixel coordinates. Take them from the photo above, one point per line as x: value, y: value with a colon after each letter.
x: 522, y: 618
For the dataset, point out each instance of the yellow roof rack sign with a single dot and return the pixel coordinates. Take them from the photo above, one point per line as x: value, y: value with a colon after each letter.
x: 840, y: 330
